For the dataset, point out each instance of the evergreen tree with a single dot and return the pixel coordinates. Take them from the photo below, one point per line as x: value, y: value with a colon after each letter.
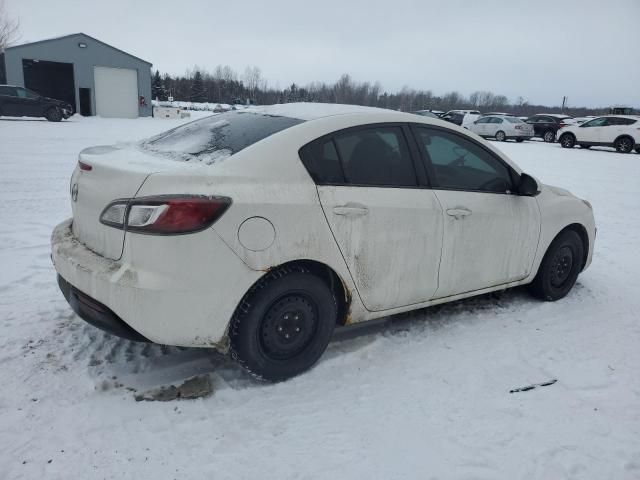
x: 198, y: 93
x: 157, y: 87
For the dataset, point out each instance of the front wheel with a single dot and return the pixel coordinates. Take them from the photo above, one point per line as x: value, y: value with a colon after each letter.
x: 549, y: 136
x: 624, y: 145
x: 637, y: 149
x: 53, y: 114
x: 567, y: 140
x: 501, y: 137
x: 559, y: 268
x: 519, y: 140
x: 283, y: 324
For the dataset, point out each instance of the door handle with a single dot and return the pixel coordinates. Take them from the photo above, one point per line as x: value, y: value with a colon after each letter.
x: 458, y: 213
x: 350, y: 210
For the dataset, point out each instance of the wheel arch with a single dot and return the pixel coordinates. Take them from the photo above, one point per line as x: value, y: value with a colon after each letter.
x: 329, y: 276
x: 625, y: 135
x: 584, y: 236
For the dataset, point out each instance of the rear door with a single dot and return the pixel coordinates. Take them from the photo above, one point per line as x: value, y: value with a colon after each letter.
x: 388, y: 225
x: 29, y: 102
x: 490, y: 234
x: 615, y: 127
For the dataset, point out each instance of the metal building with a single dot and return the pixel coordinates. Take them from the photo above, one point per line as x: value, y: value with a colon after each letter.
x: 95, y: 78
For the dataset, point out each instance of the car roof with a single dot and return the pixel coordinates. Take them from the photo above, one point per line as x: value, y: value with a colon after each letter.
x: 557, y: 115
x: 313, y: 111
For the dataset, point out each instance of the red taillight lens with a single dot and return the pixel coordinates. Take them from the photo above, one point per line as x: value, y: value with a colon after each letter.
x: 167, y: 214
x: 84, y: 166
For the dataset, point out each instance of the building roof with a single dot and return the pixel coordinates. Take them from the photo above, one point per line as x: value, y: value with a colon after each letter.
x: 79, y: 34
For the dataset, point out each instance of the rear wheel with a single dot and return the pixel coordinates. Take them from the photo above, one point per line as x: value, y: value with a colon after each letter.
x: 500, y: 136
x: 519, y: 140
x: 283, y: 325
x: 53, y: 114
x: 559, y: 268
x: 549, y: 136
x: 637, y: 149
x: 567, y: 140
x: 585, y: 146
x: 623, y: 145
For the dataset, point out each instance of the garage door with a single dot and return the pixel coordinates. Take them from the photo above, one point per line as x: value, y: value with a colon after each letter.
x: 116, y: 92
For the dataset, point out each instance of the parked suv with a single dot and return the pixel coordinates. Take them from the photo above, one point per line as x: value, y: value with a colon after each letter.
x: 547, y: 125
x: 22, y: 102
x: 621, y: 132
x: 457, y: 116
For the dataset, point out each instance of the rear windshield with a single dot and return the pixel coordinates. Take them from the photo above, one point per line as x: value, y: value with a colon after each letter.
x: 513, y: 120
x: 215, y: 138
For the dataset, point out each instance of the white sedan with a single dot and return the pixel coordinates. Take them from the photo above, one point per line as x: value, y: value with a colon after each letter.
x: 256, y: 232
x: 621, y: 132
x: 502, y: 128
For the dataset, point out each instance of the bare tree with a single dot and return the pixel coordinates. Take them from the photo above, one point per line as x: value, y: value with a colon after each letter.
x: 9, y: 27
x: 252, y: 80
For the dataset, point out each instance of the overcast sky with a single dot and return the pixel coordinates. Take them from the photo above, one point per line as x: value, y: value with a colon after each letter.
x: 537, y: 49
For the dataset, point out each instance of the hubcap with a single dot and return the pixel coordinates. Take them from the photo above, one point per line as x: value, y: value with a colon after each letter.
x: 567, y: 141
x: 625, y: 145
x: 288, y: 326
x: 561, y: 266
x: 548, y: 136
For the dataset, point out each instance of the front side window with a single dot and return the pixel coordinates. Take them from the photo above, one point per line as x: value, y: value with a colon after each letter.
x: 484, y: 120
x: 460, y: 164
x: 376, y: 156
x: 598, y: 122
x: 24, y: 93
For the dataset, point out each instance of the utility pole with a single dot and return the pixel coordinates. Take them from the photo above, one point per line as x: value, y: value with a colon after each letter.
x: 564, y: 102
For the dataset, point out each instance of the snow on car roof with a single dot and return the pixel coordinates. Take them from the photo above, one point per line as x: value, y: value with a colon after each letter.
x: 312, y: 111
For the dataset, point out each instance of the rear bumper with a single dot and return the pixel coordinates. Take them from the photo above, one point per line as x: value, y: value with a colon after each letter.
x: 172, y: 290
x: 97, y: 314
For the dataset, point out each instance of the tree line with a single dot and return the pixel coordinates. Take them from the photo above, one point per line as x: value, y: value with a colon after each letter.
x: 224, y: 85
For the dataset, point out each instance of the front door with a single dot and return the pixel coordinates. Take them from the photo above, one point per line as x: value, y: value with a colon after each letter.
x: 490, y: 234
x: 388, y: 228
x: 591, y: 131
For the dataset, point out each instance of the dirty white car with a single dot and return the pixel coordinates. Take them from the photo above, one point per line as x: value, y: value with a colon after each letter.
x: 256, y: 232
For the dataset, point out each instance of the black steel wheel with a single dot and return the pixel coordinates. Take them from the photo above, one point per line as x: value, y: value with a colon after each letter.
x: 283, y: 324
x: 560, y: 267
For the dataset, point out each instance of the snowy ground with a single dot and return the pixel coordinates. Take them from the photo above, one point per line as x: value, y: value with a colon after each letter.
x: 421, y: 396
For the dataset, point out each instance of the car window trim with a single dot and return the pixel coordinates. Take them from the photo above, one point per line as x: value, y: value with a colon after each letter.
x: 431, y: 170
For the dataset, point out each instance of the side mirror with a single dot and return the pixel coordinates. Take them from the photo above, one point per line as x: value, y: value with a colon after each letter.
x: 528, y: 186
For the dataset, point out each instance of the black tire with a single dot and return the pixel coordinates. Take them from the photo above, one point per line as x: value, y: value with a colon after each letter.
x: 585, y: 146
x: 53, y: 114
x: 637, y: 149
x: 624, y: 145
x: 559, y: 268
x: 549, y: 136
x: 283, y: 324
x: 500, y: 136
x: 567, y: 140
x: 519, y: 140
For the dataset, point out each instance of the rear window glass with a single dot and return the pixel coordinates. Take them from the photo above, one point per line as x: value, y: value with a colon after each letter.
x: 513, y: 120
x: 215, y: 138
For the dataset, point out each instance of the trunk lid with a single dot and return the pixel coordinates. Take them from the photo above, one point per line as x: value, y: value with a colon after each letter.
x: 116, y: 172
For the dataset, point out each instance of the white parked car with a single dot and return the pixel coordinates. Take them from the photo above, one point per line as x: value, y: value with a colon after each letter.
x: 257, y: 232
x: 502, y: 128
x: 621, y: 132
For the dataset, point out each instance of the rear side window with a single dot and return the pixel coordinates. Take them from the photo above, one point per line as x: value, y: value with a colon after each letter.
x: 621, y: 121
x: 513, y: 120
x: 376, y: 156
x: 217, y: 137
x: 8, y: 91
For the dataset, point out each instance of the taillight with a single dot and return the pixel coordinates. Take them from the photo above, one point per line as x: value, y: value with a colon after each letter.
x: 518, y: 127
x: 165, y: 214
x: 84, y: 166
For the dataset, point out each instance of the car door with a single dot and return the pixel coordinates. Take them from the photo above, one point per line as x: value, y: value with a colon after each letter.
x: 592, y: 131
x: 490, y: 234
x: 615, y: 127
x: 495, y: 125
x: 386, y: 223
x: 28, y: 102
x: 479, y: 127
x: 9, y: 102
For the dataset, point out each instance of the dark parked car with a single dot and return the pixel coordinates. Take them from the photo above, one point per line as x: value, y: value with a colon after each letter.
x: 546, y: 126
x: 22, y: 102
x: 457, y: 116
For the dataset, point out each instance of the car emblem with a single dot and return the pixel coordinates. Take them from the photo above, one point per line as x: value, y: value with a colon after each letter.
x: 74, y: 192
